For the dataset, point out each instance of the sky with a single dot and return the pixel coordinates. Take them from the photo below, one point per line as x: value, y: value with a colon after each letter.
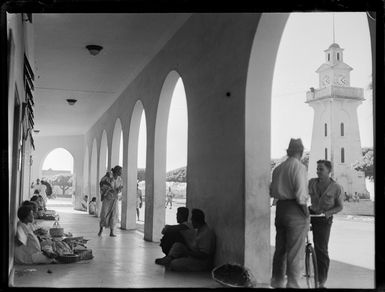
x: 301, y: 52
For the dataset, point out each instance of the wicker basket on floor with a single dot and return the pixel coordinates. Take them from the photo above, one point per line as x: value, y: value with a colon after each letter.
x: 233, y: 275
x: 85, y: 254
x: 68, y: 258
x: 56, y: 232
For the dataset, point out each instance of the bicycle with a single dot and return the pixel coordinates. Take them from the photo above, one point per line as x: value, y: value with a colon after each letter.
x: 311, y: 270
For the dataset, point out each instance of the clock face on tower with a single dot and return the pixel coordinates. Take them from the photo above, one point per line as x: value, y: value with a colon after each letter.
x: 341, y: 80
x: 326, y: 80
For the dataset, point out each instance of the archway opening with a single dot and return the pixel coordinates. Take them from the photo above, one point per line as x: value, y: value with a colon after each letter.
x: 153, y: 232
x: 103, y: 158
x: 314, y: 92
x: 176, y: 162
x: 133, y: 213
x: 141, y: 173
x: 94, y: 190
x: 86, y: 170
x: 58, y: 176
x: 117, y: 156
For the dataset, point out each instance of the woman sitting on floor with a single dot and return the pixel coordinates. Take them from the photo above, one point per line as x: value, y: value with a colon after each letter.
x: 28, y: 249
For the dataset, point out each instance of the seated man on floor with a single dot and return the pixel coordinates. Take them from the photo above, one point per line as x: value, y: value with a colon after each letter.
x: 92, y: 206
x: 84, y: 202
x: 27, y: 248
x: 171, y: 233
x: 35, y: 208
x: 198, y: 252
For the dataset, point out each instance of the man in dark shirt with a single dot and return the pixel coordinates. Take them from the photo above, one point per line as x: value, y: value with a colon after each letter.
x: 171, y: 233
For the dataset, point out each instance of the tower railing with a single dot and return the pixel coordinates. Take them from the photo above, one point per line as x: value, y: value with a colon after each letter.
x: 335, y: 92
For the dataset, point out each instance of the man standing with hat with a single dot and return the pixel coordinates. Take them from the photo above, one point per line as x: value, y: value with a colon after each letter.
x: 289, y: 187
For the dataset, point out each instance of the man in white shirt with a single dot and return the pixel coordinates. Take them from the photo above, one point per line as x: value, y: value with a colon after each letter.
x: 289, y: 188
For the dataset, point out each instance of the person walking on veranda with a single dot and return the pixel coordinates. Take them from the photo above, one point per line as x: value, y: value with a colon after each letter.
x: 326, y: 198
x: 169, y: 197
x: 139, y: 200
x: 289, y: 187
x: 110, y: 186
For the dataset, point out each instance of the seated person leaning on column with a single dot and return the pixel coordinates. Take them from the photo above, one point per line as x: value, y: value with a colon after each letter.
x: 172, y: 233
x: 28, y: 249
x: 198, y: 252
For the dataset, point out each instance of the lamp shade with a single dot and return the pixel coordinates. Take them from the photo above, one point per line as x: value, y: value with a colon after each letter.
x: 71, y: 101
x: 94, y: 49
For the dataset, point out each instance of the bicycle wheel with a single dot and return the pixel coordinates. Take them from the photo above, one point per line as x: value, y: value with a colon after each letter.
x: 311, y: 267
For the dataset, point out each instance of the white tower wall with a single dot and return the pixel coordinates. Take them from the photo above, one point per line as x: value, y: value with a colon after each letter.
x: 336, y: 103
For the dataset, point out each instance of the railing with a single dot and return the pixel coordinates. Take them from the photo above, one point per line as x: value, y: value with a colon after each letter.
x: 335, y: 92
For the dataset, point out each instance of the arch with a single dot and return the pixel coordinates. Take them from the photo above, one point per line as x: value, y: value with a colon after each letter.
x: 103, y: 155
x: 94, y: 190
x: 129, y: 200
x: 160, y: 152
x: 44, y: 157
x: 116, y: 142
x: 177, y: 146
x: 86, y: 174
x: 49, y: 177
x: 257, y: 155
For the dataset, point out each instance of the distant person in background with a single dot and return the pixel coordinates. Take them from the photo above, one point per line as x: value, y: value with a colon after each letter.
x: 39, y: 200
x: 40, y: 188
x: 326, y: 198
x: 92, y: 207
x: 84, y: 203
x: 169, y: 197
x: 139, y: 200
x: 48, y: 188
x: 110, y: 186
x: 172, y: 234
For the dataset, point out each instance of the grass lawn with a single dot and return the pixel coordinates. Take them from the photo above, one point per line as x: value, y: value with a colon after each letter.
x: 362, y: 208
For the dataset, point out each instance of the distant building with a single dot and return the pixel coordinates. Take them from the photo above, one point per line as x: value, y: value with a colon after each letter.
x: 335, y: 135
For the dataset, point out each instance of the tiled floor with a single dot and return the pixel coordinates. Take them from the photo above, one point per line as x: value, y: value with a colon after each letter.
x: 125, y: 261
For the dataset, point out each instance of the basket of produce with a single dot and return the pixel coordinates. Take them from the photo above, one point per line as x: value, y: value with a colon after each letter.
x: 41, y: 231
x: 233, y: 275
x: 68, y: 258
x: 84, y: 254
x: 56, y: 230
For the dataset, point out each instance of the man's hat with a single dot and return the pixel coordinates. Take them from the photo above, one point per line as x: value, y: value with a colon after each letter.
x: 295, y: 145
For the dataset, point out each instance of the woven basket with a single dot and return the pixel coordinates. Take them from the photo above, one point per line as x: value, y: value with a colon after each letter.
x: 85, y: 254
x: 67, y: 259
x: 56, y: 231
x: 248, y: 283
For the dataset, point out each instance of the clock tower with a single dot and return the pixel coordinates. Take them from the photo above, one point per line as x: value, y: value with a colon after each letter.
x: 335, y: 135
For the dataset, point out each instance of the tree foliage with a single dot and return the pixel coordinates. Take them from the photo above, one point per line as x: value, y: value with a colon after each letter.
x: 177, y: 175
x: 141, y: 174
x: 366, y: 163
x: 64, y: 182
